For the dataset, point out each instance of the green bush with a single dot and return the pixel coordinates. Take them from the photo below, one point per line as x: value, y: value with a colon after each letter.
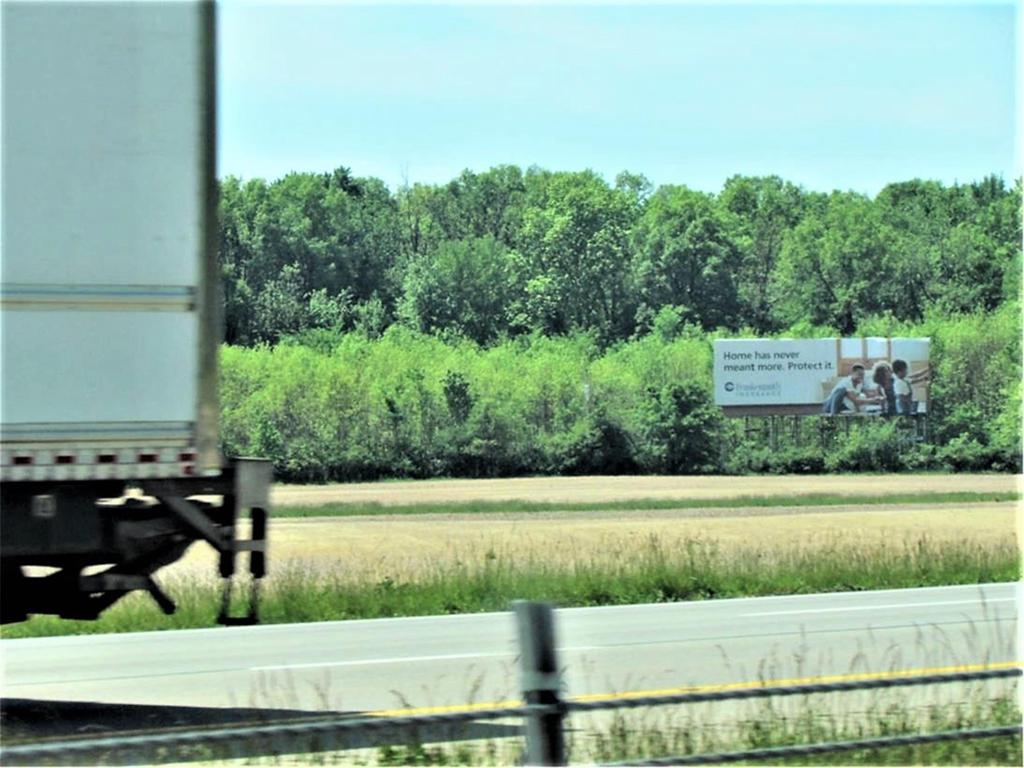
x: 870, y: 447
x: 324, y: 405
x: 678, y: 430
x: 747, y: 458
x: 976, y: 377
x: 965, y: 454
x: 596, y: 445
x: 805, y: 460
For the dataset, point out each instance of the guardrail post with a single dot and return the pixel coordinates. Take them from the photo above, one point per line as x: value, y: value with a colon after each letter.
x: 541, y: 682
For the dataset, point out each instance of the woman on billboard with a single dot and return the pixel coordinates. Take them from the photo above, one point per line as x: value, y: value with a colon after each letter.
x: 880, y: 383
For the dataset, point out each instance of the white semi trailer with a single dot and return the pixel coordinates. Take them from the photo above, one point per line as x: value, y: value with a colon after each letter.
x: 109, y: 308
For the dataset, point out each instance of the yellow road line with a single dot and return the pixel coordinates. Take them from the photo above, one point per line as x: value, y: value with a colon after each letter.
x: 591, y: 697
x: 479, y: 706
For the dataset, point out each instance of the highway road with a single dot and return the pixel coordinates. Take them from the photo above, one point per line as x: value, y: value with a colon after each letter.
x: 442, y: 662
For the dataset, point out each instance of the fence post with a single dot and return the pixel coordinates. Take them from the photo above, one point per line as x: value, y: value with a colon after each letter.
x: 545, y: 740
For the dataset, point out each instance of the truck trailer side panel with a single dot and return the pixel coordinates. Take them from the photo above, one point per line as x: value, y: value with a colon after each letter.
x: 109, y: 328
x: 107, y: 283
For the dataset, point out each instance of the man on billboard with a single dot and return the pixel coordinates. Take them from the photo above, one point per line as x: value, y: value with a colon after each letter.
x: 848, y: 393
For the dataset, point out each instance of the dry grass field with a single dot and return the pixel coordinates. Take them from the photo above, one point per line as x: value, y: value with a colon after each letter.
x: 597, y: 489
x: 628, y: 543
x: 404, y: 547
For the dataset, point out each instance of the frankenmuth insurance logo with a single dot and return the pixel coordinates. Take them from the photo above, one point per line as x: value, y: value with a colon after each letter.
x: 753, y: 390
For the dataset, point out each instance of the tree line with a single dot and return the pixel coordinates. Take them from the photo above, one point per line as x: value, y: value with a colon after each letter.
x: 522, y: 322
x: 505, y: 253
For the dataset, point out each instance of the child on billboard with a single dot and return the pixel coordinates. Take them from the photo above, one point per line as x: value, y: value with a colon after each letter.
x: 903, y: 392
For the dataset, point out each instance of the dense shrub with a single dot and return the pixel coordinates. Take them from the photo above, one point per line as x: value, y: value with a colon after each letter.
x: 804, y: 460
x: 747, y: 457
x: 965, y: 454
x: 871, y: 447
x: 596, y: 445
x: 331, y: 406
x: 678, y: 431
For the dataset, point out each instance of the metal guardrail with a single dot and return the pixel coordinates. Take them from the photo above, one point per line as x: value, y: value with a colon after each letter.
x: 332, y: 730
x: 763, y: 692
x: 543, y: 712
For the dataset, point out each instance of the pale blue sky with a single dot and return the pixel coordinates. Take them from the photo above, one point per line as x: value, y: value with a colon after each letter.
x: 845, y: 96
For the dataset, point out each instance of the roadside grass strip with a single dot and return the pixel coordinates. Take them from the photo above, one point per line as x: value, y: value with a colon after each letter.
x: 657, y: 731
x: 897, y: 674
x: 637, y: 735
x: 769, y: 724
x: 518, y: 506
x: 650, y: 733
x: 653, y: 572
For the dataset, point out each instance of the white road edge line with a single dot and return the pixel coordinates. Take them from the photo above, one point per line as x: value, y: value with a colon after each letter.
x: 716, y: 604
x: 368, y: 662
x: 402, y: 659
x: 883, y: 607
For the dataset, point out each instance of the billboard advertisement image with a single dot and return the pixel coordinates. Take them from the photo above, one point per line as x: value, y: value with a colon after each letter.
x: 852, y: 377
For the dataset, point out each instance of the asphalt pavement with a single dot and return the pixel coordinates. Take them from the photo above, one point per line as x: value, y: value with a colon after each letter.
x: 444, y: 662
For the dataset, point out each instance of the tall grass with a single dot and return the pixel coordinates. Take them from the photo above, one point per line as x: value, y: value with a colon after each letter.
x: 775, y: 723
x: 695, y: 569
x: 635, y: 735
x: 698, y: 570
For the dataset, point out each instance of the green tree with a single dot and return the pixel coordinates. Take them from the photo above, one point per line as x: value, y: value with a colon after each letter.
x: 492, y: 203
x: 636, y: 185
x: 921, y: 215
x: 361, y: 239
x: 239, y: 253
x: 463, y: 287
x: 336, y: 233
x: 575, y: 248
x: 420, y: 231
x: 679, y: 428
x: 281, y: 307
x: 332, y: 313
x: 837, y: 267
x: 953, y: 246
x: 763, y: 210
x: 970, y: 270
x: 686, y: 257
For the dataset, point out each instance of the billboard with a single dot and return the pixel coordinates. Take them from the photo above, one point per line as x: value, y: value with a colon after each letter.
x: 852, y: 376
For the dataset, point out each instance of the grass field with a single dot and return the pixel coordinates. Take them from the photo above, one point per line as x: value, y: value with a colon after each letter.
x: 406, y: 547
x: 735, y: 504
x: 339, y: 568
x: 603, y: 489
x: 476, y: 552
